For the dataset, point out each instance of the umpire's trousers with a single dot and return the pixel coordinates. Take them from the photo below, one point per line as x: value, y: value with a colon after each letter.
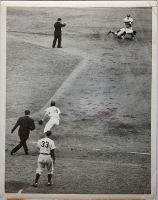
x: 21, y: 144
x: 57, y: 37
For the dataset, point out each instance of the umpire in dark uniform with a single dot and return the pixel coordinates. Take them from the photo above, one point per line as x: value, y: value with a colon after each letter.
x: 57, y: 33
x: 26, y: 125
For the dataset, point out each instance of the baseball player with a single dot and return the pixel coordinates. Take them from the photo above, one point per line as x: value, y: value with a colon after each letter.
x: 46, y: 158
x: 128, y: 21
x: 53, y: 113
x: 122, y: 32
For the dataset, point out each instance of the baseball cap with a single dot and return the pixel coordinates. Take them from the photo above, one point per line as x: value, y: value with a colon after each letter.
x: 52, y: 103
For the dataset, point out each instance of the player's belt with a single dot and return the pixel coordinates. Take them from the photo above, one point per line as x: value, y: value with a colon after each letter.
x: 45, y: 153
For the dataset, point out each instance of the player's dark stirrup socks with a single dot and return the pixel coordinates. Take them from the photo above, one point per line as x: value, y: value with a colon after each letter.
x: 37, y: 178
x: 49, y: 178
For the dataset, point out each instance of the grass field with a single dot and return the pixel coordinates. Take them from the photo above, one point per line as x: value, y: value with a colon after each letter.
x: 101, y: 84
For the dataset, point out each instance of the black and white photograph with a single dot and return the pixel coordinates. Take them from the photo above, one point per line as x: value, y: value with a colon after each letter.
x: 78, y: 96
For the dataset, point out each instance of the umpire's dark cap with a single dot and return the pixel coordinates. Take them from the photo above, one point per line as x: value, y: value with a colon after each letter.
x: 59, y: 19
x: 27, y: 112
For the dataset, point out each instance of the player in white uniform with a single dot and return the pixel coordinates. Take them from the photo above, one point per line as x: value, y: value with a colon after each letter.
x: 128, y: 21
x: 122, y: 32
x: 53, y: 113
x: 46, y: 158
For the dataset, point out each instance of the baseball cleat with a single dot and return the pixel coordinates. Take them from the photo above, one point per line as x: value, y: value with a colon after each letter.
x: 109, y: 31
x: 49, y: 184
x: 34, y: 185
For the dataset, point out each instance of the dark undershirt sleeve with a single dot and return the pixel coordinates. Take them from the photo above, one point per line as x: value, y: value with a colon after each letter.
x: 53, y: 154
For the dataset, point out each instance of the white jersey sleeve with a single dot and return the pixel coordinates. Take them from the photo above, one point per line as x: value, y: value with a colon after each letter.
x: 47, y: 110
x: 59, y: 111
x: 52, y: 145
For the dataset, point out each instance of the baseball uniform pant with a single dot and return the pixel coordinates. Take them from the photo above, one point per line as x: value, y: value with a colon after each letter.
x: 44, y: 161
x: 121, y: 32
x: 57, y: 37
x: 22, y: 144
x: 129, y: 30
x: 53, y: 121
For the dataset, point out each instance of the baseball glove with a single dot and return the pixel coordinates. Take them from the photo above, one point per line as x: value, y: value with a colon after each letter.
x: 40, y: 122
x: 134, y: 32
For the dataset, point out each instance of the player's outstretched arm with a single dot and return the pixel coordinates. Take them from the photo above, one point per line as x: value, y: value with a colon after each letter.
x: 44, y: 116
x: 63, y: 25
x: 40, y: 122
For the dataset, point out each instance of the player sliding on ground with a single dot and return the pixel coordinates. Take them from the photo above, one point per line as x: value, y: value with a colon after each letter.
x: 53, y: 113
x: 128, y: 22
x: 46, y: 158
x: 122, y: 32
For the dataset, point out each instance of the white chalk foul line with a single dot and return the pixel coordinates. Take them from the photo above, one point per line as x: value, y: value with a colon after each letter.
x: 34, y: 142
x: 141, y: 153
x: 102, y: 162
x: 67, y: 84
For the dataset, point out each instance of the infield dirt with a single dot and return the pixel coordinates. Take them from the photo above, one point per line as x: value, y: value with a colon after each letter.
x: 101, y: 84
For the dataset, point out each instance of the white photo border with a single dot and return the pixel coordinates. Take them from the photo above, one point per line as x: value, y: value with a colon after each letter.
x: 153, y: 5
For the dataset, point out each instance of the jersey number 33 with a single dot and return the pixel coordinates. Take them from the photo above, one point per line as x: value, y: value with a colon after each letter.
x: 44, y: 144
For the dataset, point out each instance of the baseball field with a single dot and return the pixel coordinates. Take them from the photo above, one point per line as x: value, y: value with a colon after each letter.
x: 102, y: 86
